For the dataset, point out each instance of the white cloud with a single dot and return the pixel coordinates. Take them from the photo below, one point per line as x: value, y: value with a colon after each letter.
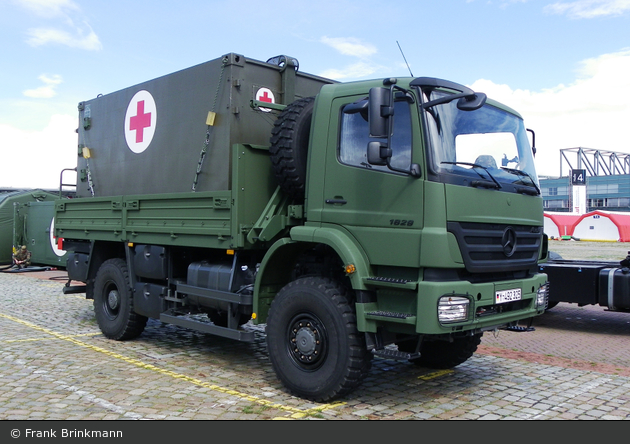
x: 354, y: 71
x: 585, y: 9
x: 592, y: 112
x: 48, y: 8
x: 34, y: 159
x: 350, y: 46
x: 71, y: 35
x: 353, y: 47
x: 47, y: 91
x: 44, y: 36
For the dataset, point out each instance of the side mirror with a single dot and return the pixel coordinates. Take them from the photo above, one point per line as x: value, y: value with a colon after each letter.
x: 380, y: 109
x: 378, y: 153
x: 472, y: 102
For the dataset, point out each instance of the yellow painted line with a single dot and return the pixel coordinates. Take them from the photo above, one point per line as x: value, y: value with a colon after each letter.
x: 9, y: 341
x: 76, y: 296
x: 175, y: 375
x: 434, y: 375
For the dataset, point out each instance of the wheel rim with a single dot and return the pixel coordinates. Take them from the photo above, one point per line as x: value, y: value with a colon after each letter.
x: 307, y: 341
x: 111, y: 300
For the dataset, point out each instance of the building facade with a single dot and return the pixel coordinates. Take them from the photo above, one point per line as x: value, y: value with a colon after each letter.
x: 607, y: 193
x: 604, y: 176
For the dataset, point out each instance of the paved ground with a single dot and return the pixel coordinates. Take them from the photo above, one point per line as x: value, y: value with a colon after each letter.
x: 55, y: 364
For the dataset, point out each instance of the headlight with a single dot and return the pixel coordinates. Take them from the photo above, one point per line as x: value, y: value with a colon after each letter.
x: 542, y: 296
x: 453, y: 309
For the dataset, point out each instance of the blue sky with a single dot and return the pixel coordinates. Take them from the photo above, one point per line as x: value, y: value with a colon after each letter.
x: 563, y: 64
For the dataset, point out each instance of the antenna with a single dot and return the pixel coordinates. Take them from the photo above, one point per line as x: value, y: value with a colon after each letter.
x: 403, y: 54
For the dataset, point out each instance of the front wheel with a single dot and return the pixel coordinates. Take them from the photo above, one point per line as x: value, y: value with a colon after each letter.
x: 551, y: 304
x: 443, y: 354
x: 313, y: 342
x: 113, y: 302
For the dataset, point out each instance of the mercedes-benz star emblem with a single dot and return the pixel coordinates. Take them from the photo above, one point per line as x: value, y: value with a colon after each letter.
x: 508, y: 241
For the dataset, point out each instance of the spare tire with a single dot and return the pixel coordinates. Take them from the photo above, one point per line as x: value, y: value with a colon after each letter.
x: 289, y: 146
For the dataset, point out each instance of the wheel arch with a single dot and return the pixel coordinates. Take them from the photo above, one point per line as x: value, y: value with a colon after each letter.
x: 277, y: 266
x: 102, y: 251
x: 344, y: 244
x: 97, y: 253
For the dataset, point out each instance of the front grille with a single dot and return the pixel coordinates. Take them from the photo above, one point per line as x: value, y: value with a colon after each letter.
x: 488, y: 248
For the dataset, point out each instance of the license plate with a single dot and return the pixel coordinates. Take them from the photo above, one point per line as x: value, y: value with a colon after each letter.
x: 504, y: 296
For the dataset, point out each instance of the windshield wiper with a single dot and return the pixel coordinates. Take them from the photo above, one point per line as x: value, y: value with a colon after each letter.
x: 523, y: 174
x: 496, y: 184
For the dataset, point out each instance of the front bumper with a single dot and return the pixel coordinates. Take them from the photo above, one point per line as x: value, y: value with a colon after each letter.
x: 416, y: 308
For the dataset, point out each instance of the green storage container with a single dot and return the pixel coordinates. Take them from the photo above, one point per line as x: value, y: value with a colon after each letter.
x: 175, y: 133
x: 26, y: 218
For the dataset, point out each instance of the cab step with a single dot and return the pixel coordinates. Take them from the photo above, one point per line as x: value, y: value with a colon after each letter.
x: 388, y: 353
x: 390, y: 314
x: 380, y: 281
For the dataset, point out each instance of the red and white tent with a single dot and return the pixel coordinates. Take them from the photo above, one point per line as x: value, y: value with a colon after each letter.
x: 603, y: 226
x: 560, y: 224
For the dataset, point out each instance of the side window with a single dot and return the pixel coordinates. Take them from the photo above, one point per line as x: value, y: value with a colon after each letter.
x: 355, y: 136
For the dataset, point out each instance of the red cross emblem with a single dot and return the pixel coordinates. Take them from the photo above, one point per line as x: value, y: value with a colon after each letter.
x: 265, y: 95
x: 140, y: 121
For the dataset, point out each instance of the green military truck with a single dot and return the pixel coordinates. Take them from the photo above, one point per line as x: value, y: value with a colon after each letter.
x: 392, y: 217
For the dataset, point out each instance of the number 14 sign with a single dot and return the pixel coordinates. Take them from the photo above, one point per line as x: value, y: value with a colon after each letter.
x: 578, y: 177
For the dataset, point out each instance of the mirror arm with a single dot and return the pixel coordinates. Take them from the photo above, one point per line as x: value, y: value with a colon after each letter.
x: 413, y: 171
x: 533, y: 141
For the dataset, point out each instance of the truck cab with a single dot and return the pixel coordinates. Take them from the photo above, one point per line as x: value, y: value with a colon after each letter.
x: 435, y: 188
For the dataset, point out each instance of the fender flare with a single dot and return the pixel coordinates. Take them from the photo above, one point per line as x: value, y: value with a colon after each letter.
x: 277, y: 264
x: 344, y: 244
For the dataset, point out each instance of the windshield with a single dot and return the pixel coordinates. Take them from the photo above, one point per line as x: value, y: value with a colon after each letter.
x: 488, y: 145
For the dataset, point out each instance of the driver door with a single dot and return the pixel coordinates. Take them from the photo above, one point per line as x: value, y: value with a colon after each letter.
x: 381, y: 208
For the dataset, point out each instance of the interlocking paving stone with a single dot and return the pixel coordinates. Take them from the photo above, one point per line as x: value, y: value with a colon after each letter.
x: 55, y: 364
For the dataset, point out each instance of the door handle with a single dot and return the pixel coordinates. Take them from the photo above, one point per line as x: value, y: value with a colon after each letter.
x: 336, y: 201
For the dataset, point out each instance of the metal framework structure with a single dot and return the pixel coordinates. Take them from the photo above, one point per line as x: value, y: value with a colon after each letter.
x: 595, y: 162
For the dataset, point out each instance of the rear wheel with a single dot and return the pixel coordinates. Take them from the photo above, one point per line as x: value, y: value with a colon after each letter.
x: 113, y: 302
x: 313, y: 342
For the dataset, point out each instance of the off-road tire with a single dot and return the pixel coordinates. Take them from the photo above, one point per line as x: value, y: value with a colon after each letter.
x: 551, y: 304
x: 313, y: 342
x: 289, y: 146
x: 113, y: 302
x: 443, y: 354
